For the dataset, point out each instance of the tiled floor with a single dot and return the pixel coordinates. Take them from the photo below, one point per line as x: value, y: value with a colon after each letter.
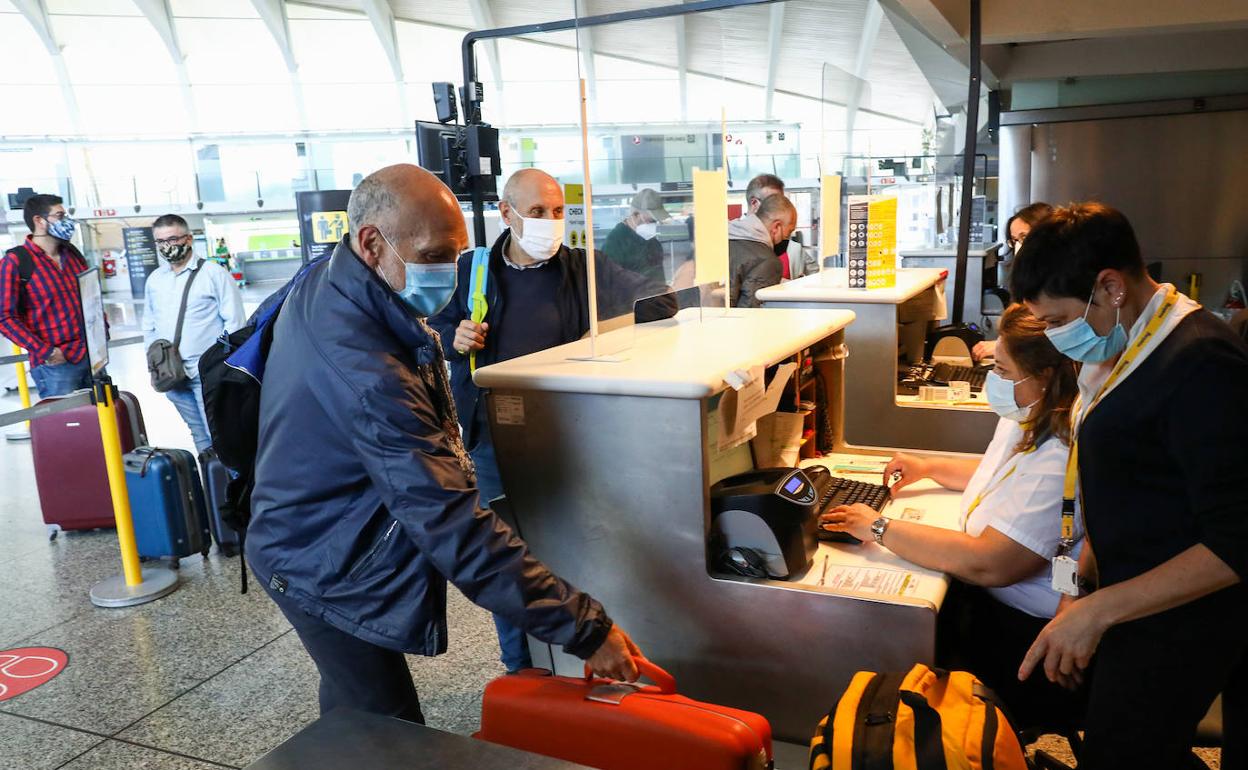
x: 204, y: 678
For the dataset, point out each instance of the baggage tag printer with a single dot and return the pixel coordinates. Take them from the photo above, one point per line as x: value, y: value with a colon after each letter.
x: 763, y: 523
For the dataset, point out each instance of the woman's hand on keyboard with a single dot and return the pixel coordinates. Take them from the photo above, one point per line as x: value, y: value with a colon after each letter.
x: 907, y: 469
x: 855, y: 519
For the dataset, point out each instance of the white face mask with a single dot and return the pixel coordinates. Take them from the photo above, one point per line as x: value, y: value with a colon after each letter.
x: 541, y: 238
x: 648, y: 230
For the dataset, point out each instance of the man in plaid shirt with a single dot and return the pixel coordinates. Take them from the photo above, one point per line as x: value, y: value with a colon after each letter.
x: 43, y: 313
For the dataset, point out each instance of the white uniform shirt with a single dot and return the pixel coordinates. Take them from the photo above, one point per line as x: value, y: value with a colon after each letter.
x: 214, y: 306
x: 1026, y: 507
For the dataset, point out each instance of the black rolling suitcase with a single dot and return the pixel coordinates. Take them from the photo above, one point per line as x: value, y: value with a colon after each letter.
x: 216, y: 479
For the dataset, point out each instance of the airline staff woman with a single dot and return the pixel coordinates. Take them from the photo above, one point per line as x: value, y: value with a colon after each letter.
x: 1011, y: 504
x: 1160, y: 468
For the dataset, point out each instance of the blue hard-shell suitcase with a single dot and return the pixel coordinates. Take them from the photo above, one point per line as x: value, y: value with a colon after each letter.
x: 167, y: 503
x: 216, y: 480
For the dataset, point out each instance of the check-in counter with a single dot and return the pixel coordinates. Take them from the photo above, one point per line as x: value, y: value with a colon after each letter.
x: 269, y: 265
x: 875, y: 415
x: 980, y: 258
x: 608, y: 465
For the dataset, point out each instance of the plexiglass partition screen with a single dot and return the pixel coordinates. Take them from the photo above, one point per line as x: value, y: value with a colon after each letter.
x: 789, y: 89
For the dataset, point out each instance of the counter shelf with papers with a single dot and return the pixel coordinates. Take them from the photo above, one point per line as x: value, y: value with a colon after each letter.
x: 875, y: 415
x: 608, y: 466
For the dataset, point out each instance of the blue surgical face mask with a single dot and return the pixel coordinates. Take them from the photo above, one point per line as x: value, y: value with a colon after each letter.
x: 429, y: 287
x: 1001, y: 397
x: 62, y: 228
x: 1079, y: 341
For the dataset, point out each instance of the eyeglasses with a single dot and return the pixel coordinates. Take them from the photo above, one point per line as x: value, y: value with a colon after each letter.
x: 171, y: 241
x: 58, y: 216
x: 1013, y: 242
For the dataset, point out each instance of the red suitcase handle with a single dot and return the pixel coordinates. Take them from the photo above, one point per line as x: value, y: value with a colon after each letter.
x: 665, y: 681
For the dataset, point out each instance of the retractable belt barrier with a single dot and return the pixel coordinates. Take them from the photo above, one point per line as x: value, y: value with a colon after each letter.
x: 136, y: 584
x: 21, y: 358
x: 80, y: 398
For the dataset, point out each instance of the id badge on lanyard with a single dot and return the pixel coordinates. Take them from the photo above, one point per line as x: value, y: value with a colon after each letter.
x: 1065, y: 577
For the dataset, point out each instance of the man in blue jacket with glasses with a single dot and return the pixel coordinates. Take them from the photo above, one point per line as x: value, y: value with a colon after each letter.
x: 365, y: 502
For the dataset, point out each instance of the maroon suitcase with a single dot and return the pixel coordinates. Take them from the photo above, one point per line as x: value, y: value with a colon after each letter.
x: 69, y: 463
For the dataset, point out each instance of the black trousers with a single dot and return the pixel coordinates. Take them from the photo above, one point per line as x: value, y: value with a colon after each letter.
x: 1154, y: 680
x: 979, y: 634
x: 354, y: 673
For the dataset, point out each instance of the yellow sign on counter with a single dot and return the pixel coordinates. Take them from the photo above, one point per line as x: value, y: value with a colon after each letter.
x: 576, y: 231
x: 830, y: 216
x: 710, y: 225
x: 872, y: 242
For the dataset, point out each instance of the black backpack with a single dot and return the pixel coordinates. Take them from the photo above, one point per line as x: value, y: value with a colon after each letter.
x: 232, y: 372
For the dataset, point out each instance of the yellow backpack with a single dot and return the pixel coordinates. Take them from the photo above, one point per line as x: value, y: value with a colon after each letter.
x: 926, y: 719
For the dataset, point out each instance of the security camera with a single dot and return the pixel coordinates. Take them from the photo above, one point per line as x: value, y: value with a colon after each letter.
x: 259, y: 201
x: 199, y: 204
x: 137, y: 208
x: 71, y: 210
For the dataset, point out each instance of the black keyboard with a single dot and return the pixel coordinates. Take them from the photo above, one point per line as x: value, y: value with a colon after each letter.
x: 847, y: 492
x: 948, y: 373
x: 942, y: 374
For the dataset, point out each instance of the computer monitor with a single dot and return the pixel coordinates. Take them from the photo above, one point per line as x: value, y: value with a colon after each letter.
x: 459, y: 154
x: 438, y: 147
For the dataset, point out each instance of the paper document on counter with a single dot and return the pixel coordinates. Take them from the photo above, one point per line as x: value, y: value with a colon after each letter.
x: 740, y: 409
x: 874, y: 580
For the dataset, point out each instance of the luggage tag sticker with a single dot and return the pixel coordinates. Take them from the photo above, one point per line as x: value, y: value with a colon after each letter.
x: 612, y: 693
x: 1066, y: 575
x: 509, y: 410
x: 912, y: 514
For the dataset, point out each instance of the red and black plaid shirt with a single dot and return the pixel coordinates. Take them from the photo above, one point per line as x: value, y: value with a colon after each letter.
x: 49, y: 316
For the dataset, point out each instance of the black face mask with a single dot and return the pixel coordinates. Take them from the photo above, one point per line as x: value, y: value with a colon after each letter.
x: 781, y: 248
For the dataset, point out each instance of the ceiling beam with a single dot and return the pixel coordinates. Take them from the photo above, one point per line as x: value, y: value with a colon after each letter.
x: 160, y: 16
x: 273, y: 14
x: 1133, y: 55
x: 483, y: 18
x: 775, y: 30
x: 871, y: 20
x: 382, y: 18
x: 36, y: 13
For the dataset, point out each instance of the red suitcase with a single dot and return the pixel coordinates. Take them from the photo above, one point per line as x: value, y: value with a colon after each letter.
x: 69, y: 463
x: 617, y: 726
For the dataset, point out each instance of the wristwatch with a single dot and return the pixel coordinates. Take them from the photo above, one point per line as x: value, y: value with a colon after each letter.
x: 878, y: 528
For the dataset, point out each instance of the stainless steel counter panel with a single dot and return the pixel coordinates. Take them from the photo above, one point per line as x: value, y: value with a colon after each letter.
x: 979, y: 259
x: 872, y: 416
x: 611, y: 491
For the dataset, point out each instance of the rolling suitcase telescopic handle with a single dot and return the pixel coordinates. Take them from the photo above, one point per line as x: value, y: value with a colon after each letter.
x: 665, y: 681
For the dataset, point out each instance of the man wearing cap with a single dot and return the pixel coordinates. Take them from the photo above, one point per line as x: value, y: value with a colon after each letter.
x: 634, y: 243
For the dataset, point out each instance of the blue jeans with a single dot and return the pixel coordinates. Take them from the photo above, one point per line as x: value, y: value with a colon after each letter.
x: 512, y: 641
x: 61, y: 379
x: 190, y: 403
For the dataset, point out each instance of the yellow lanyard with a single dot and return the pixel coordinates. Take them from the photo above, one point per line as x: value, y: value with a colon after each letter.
x: 479, y: 309
x: 1072, y: 460
x: 992, y: 486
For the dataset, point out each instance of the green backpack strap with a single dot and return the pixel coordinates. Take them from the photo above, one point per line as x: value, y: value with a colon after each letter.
x: 478, y: 280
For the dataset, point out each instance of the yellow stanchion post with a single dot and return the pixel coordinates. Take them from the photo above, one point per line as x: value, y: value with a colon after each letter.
x: 137, y: 584
x: 107, y: 412
x: 23, y: 387
x: 23, y: 391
